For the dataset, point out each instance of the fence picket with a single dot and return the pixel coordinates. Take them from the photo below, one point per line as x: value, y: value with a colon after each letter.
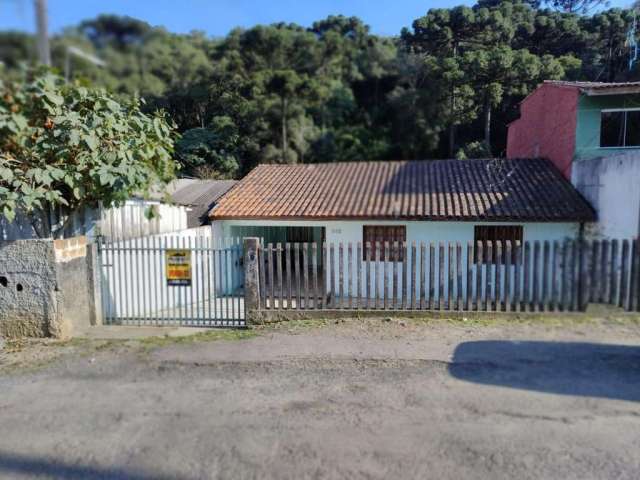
x: 314, y: 269
x: 469, y: 284
x: 280, y: 276
x: 368, y: 274
x: 543, y: 304
x: 450, y: 279
x: 287, y: 253
x: 377, y: 279
x: 440, y: 276
x: 624, y: 258
x: 633, y: 282
x: 432, y: 273
x: 613, y: 271
x: 385, y: 280
x: 305, y: 274
x: 605, y: 281
x: 350, y: 273
x: 554, y: 287
x: 332, y: 276
x: 586, y: 265
x: 526, y: 278
x: 488, y: 300
x: 325, y: 274
x: 498, y: 277
x: 414, y: 286
x: 405, y: 274
x: 459, y: 303
x: 359, y: 273
x: 595, y: 273
x: 423, y: 276
x: 479, y: 261
x: 578, y: 274
x: 508, y: 260
x: 341, y: 275
x: 517, y: 276
x: 537, y: 277
x: 394, y: 257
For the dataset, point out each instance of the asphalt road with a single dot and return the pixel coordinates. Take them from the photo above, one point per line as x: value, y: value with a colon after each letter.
x: 355, y: 400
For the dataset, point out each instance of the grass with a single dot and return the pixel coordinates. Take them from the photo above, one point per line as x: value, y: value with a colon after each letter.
x: 150, y: 343
x: 30, y: 355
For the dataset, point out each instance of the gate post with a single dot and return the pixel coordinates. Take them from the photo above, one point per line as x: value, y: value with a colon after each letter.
x: 251, y: 276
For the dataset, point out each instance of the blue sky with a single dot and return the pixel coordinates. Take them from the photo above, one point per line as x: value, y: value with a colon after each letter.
x: 217, y: 17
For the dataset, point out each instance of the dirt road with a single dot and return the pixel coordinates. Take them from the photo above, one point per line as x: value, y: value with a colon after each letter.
x: 358, y: 399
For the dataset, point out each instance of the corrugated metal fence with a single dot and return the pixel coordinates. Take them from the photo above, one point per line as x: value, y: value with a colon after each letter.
x: 477, y: 276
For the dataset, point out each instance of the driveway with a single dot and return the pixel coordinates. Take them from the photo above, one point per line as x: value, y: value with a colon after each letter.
x: 354, y: 399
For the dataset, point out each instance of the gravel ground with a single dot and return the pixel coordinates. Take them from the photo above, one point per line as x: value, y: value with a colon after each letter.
x: 355, y: 399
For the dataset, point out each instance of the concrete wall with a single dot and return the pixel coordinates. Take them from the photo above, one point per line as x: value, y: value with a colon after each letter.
x: 75, y: 281
x: 612, y: 185
x: 28, y: 300
x: 546, y: 127
x: 46, y: 288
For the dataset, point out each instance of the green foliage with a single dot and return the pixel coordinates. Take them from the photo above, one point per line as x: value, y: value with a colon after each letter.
x: 66, y: 146
x: 474, y: 150
x: 210, y: 147
x: 334, y: 91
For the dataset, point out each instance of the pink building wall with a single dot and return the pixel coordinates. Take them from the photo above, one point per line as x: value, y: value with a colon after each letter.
x: 546, y: 127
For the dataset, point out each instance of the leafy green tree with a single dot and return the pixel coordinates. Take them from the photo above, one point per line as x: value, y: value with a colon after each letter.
x: 16, y: 48
x: 211, y: 150
x: 63, y: 147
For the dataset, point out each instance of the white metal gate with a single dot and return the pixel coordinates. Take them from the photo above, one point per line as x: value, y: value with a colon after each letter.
x: 176, y: 279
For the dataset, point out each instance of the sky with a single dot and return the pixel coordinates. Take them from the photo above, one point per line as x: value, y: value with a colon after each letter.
x: 218, y: 17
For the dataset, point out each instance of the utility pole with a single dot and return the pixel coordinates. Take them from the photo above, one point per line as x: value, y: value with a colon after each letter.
x: 44, y: 54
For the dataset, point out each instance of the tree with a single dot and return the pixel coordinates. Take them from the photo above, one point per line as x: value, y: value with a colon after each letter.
x: 577, y: 6
x: 213, y: 150
x: 63, y: 147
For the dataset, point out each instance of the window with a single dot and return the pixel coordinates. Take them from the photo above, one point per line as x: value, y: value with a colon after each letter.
x: 620, y: 128
x: 497, y: 233
x: 381, y: 234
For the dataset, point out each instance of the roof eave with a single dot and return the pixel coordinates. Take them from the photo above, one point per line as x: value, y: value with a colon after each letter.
x: 407, y: 219
x: 596, y: 92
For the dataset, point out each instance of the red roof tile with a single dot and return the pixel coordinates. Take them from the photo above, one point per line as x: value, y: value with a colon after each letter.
x: 491, y: 190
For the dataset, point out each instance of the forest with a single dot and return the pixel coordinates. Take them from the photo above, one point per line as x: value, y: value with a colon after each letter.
x: 446, y: 86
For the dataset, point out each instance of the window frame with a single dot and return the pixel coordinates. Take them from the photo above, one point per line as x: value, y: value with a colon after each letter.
x: 493, y: 240
x: 624, y: 141
x: 394, y: 256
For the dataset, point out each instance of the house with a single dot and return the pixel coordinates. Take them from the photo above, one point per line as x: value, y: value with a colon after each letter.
x: 199, y: 196
x: 422, y: 201
x: 591, y: 132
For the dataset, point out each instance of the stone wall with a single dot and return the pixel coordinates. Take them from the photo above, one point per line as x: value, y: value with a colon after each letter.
x: 46, y: 288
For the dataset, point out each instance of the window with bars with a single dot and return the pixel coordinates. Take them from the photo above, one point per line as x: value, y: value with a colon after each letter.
x: 380, y: 234
x: 497, y: 233
x: 620, y: 128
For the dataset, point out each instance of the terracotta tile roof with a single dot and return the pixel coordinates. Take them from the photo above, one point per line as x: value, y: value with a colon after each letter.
x: 519, y: 190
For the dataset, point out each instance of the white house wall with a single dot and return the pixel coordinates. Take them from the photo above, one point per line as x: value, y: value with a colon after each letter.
x: 612, y: 185
x: 350, y: 231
